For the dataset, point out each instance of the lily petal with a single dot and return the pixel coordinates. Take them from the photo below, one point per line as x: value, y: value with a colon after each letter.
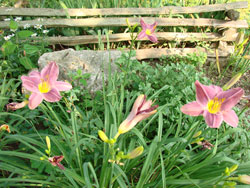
x: 35, y: 74
x: 34, y: 100
x: 137, y: 104
x: 213, y: 120
x: 201, y: 94
x: 212, y: 90
x: 152, y: 38
x: 50, y: 72
x: 232, y: 97
x: 62, y: 86
x: 143, y: 24
x: 192, y: 109
x: 152, y: 27
x: 141, y: 35
x: 30, y: 83
x: 230, y: 118
x: 52, y: 96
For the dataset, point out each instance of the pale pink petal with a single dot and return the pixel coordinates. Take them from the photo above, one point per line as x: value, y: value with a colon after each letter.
x: 137, y: 104
x: 152, y: 38
x: 35, y: 74
x: 146, y: 105
x: 212, y: 90
x: 143, y: 24
x: 50, y: 73
x: 34, y: 100
x: 62, y: 86
x: 213, y: 120
x: 201, y: 94
x: 192, y: 109
x: 232, y: 97
x: 230, y: 118
x: 142, y: 35
x: 52, y: 96
x: 60, y: 166
x: 152, y: 27
x: 30, y: 83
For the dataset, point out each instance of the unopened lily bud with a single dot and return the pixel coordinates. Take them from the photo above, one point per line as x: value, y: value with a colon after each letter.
x: 198, y: 141
x: 227, y: 172
x: 135, y: 153
x: 5, y: 127
x: 231, y: 82
x: 42, y: 158
x: 197, y: 134
x: 48, y: 143
x: 103, y: 136
x: 233, y: 168
x: 244, y: 179
x: 14, y: 105
x: 128, y: 23
x: 47, y: 151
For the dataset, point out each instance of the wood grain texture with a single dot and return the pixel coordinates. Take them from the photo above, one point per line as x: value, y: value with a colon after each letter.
x: 120, y: 11
x: 162, y: 36
x: 105, y: 22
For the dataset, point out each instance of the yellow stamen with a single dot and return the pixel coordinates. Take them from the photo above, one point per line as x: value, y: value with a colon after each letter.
x: 44, y: 87
x: 214, y: 105
x: 148, y: 32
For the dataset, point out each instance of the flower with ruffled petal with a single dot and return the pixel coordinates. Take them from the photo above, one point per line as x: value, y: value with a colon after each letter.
x: 214, y: 104
x: 14, y: 105
x: 44, y: 85
x: 141, y: 110
x: 147, y: 31
x: 5, y: 127
x: 55, y: 161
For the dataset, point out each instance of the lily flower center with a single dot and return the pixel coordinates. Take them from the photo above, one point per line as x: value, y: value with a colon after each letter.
x: 148, y: 32
x: 44, y: 87
x: 214, y: 105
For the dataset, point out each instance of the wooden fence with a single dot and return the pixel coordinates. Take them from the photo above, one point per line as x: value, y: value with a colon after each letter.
x: 109, y: 17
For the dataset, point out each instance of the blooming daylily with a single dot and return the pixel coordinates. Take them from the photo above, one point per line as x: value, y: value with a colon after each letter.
x: 140, y: 111
x: 44, y: 85
x: 147, y: 31
x: 55, y: 161
x: 214, y: 104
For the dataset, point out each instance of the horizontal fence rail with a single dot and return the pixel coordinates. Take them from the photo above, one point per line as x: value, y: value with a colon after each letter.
x: 158, y: 53
x: 102, y: 22
x: 161, y: 36
x: 120, y: 11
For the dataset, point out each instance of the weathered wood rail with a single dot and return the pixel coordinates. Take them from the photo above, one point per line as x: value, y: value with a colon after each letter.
x: 81, y: 12
x: 106, y: 18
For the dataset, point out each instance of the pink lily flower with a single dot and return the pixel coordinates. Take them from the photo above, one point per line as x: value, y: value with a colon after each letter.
x: 147, y: 31
x: 214, y: 104
x: 55, y: 161
x: 44, y: 85
x: 141, y: 110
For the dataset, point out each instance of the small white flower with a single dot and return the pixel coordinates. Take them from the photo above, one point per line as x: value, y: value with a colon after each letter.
x: 7, y: 19
x: 34, y: 35
x: 45, y: 31
x: 38, y: 26
x: 13, y: 30
x: 40, y: 19
x: 17, y: 19
x: 26, y: 26
x: 7, y: 38
x: 12, y: 35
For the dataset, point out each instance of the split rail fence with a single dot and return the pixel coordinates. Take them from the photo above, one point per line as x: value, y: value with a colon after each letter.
x: 116, y: 17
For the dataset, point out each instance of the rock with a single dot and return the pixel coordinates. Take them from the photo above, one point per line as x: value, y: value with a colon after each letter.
x: 89, y: 61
